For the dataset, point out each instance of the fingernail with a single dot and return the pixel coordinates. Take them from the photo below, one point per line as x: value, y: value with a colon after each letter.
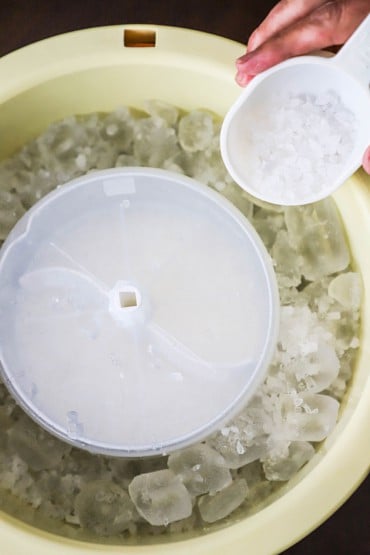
x: 243, y: 78
x: 243, y: 60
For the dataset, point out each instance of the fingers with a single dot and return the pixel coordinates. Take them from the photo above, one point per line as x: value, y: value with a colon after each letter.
x: 285, y: 13
x: 366, y: 161
x: 317, y: 30
x: 331, y: 23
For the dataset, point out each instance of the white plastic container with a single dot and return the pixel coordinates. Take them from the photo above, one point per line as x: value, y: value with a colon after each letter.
x: 148, y: 294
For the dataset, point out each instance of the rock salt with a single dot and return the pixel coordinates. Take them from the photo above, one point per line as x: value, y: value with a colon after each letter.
x: 298, y: 143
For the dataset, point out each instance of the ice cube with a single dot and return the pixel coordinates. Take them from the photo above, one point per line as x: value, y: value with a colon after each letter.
x: 14, y: 476
x: 57, y: 493
x: 236, y: 195
x: 153, y: 131
x: 215, y: 507
x: 287, y: 263
x: 5, y: 423
x: 35, y: 446
x: 81, y: 162
x: 201, y: 469
x: 195, y: 131
x: 268, y: 224
x: 11, y: 210
x: 314, y: 419
x: 236, y: 451
x: 284, y: 468
x: 163, y: 110
x: 104, y: 508
x: 317, y: 233
x: 259, y: 488
x: 346, y: 289
x: 160, y: 497
x: 314, y: 371
x: 86, y: 465
x: 118, y: 130
x: 204, y: 166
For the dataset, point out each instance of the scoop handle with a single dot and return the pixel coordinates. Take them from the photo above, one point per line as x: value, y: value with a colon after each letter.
x: 354, y: 56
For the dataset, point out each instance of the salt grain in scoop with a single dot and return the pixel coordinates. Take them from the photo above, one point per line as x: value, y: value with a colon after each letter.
x: 298, y: 144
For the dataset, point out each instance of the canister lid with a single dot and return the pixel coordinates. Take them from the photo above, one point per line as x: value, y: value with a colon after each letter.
x: 139, y: 311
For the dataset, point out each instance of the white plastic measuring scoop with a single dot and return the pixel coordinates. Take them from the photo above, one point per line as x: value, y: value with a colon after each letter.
x: 312, y: 83
x: 139, y: 311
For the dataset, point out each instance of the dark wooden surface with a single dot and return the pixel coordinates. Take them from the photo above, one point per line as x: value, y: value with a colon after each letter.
x: 347, y: 532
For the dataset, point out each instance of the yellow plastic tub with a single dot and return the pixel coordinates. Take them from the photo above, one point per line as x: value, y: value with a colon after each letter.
x: 92, y: 70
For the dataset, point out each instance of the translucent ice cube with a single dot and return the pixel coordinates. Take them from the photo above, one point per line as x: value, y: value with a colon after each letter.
x: 259, y: 488
x: 314, y: 419
x: 236, y: 195
x: 236, y: 450
x: 163, y: 110
x: 287, y: 263
x: 317, y: 233
x: 346, y: 289
x: 126, y: 160
x: 13, y: 474
x: 195, y: 131
x: 5, y: 423
x: 160, y: 497
x: 316, y: 370
x: 35, y: 446
x: 57, y: 493
x: 215, y: 507
x: 153, y: 131
x: 268, y: 224
x: 11, y: 210
x: 86, y: 465
x: 282, y: 469
x: 206, y: 167
x: 118, y: 130
x: 201, y: 469
x: 104, y: 508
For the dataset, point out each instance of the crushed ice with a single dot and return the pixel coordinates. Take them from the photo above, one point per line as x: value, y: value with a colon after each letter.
x: 296, y: 406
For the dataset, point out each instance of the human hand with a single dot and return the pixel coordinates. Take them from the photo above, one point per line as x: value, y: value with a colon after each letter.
x: 296, y: 27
